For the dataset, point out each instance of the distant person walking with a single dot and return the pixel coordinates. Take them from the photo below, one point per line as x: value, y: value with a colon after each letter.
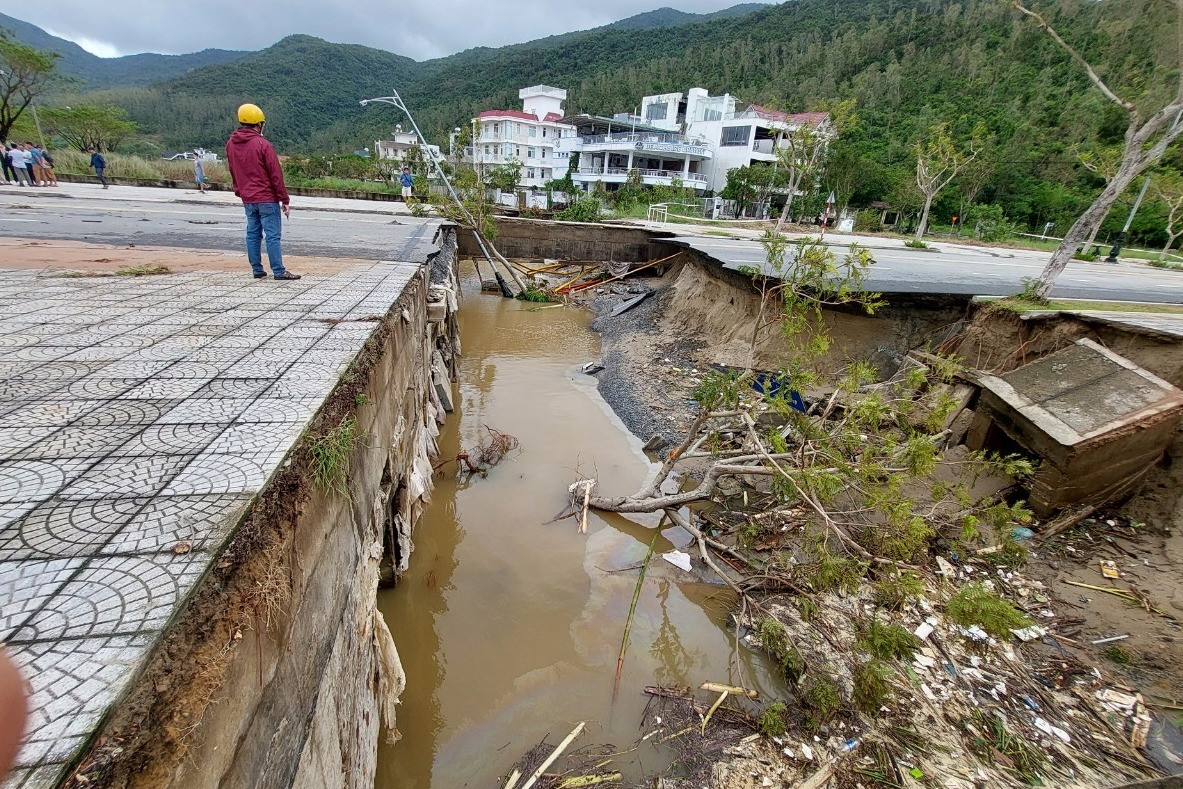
x: 408, y: 182
x: 258, y: 181
x: 199, y: 172
x: 98, y: 163
x: 48, y: 163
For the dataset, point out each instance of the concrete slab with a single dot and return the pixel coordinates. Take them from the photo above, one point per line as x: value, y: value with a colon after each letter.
x: 138, y: 419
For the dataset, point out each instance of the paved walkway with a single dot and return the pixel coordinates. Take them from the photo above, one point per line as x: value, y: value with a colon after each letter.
x: 138, y: 418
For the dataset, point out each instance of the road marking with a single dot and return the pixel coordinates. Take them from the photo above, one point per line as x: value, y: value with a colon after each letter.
x: 14, y: 219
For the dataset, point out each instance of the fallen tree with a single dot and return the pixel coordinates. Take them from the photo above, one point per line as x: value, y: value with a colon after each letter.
x: 877, y: 569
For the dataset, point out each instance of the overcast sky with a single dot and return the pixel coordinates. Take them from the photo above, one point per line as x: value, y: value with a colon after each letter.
x: 420, y: 29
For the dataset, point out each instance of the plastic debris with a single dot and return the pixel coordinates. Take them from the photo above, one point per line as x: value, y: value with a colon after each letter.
x: 679, y: 559
x: 1109, y: 569
x: 1056, y: 731
x: 1030, y: 633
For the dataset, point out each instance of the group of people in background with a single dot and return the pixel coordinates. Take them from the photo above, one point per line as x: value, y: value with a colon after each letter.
x: 27, y: 164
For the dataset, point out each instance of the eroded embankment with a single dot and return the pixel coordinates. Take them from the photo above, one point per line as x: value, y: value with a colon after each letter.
x: 702, y: 315
x: 279, y: 671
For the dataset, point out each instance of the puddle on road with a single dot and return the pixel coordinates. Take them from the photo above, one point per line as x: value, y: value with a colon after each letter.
x: 509, y: 628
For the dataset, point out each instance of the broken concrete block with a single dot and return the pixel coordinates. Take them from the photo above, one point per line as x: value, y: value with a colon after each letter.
x: 1096, y: 420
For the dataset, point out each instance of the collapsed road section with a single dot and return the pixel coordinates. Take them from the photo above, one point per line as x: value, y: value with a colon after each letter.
x: 201, y: 478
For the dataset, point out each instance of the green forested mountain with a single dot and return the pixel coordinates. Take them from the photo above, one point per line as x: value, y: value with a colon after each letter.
x: 906, y: 63
x: 96, y: 72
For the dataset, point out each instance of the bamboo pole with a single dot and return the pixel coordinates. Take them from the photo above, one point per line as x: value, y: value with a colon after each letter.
x: 555, y: 754
x: 628, y: 623
x: 627, y: 273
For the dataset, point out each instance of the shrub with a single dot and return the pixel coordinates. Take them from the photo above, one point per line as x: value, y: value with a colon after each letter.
x: 894, y: 592
x: 974, y: 604
x: 775, y: 640
x: 887, y: 642
x: 871, y: 688
x: 837, y: 574
x: 988, y: 222
x: 821, y: 701
x: 868, y: 221
x: 585, y: 208
x: 914, y: 244
x: 772, y: 721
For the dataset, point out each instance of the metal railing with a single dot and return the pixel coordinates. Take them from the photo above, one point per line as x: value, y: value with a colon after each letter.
x: 635, y: 137
x: 686, y: 177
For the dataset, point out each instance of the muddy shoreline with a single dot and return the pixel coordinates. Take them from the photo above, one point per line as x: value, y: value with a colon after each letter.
x: 648, y: 374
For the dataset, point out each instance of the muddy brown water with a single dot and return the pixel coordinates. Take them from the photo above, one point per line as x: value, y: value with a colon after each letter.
x: 509, y: 628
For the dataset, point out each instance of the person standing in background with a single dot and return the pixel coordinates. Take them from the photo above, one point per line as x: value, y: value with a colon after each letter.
x: 16, y: 160
x: 48, y: 164
x: 38, y: 164
x: 22, y: 162
x: 6, y: 163
x: 199, y: 171
x: 98, y: 163
x: 408, y: 182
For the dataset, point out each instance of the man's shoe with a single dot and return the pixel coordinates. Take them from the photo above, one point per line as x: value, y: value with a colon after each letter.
x: 260, y: 275
x: 287, y: 275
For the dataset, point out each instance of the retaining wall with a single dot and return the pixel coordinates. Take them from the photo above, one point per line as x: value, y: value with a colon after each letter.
x: 279, y: 671
x: 534, y: 239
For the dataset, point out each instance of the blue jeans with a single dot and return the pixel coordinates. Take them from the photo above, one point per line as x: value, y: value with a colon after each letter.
x: 262, y: 219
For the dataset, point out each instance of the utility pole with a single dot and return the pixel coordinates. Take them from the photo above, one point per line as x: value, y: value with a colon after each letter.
x: 1121, y: 237
x: 37, y: 122
x: 396, y: 101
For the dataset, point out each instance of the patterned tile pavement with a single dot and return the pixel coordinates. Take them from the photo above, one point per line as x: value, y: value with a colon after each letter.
x: 135, y: 415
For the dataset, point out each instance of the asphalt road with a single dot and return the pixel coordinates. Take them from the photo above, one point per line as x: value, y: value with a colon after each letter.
x: 182, y: 218
x: 976, y: 271
x: 383, y: 231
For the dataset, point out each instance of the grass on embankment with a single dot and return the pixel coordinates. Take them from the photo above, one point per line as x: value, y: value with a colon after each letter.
x: 1020, y: 305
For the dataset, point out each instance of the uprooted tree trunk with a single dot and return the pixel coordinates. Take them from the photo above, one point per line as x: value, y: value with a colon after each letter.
x: 1146, y: 140
x: 736, y: 463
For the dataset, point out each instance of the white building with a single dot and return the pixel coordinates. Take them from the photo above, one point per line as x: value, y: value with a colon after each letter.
x: 751, y: 136
x: 528, y: 136
x: 398, y: 146
x: 692, y: 138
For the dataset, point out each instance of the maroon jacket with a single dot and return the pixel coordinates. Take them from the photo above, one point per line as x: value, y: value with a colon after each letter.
x: 254, y: 168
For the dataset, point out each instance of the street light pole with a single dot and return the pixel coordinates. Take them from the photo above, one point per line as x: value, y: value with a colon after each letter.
x: 1121, y: 237
x: 396, y: 101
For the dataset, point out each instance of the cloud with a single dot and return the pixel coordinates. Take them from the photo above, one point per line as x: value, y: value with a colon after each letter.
x: 420, y: 29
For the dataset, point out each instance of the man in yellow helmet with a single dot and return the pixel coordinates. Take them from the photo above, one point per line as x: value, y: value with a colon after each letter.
x: 258, y: 181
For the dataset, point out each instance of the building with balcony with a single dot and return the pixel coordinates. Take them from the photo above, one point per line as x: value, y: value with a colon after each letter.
x: 610, y: 148
x: 528, y: 136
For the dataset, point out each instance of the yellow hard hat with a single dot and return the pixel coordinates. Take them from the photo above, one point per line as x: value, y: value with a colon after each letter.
x: 251, y: 114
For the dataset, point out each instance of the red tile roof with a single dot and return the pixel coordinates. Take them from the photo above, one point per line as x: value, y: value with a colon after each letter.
x: 508, y: 114
x: 801, y: 118
x: 551, y: 117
